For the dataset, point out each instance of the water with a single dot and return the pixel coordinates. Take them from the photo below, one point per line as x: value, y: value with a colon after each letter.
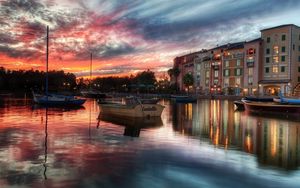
x: 207, y: 144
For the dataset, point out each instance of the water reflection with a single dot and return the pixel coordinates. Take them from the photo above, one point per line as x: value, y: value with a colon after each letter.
x: 275, y: 141
x: 132, y: 125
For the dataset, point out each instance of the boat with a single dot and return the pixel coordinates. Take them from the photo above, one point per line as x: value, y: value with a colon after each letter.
x: 270, y: 107
x: 133, y: 125
x: 259, y: 99
x: 131, y: 107
x: 288, y: 100
x: 149, y: 101
x: 183, y: 98
x: 49, y: 99
x: 239, y: 105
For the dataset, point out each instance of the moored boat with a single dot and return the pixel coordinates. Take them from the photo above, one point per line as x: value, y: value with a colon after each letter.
x: 259, y: 99
x: 271, y: 107
x: 131, y: 107
x: 57, y: 100
x: 183, y: 98
x: 54, y: 99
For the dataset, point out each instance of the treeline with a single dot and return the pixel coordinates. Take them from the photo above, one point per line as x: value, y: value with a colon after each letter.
x: 21, y: 80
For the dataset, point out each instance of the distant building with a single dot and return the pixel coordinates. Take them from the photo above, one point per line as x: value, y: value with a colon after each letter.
x: 281, y: 59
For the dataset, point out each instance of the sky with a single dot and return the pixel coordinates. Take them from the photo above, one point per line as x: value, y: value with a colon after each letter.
x: 128, y: 36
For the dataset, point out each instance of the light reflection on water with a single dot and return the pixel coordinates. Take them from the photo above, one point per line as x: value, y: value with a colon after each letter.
x: 207, y: 144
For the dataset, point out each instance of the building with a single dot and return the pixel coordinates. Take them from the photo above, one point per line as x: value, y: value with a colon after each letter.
x: 233, y: 69
x: 263, y: 66
x: 281, y: 59
x: 252, y: 66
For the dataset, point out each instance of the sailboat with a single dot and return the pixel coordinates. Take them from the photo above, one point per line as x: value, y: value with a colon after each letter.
x: 90, y: 93
x: 49, y: 99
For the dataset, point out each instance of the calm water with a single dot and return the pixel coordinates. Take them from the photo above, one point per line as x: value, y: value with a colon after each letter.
x: 207, y: 144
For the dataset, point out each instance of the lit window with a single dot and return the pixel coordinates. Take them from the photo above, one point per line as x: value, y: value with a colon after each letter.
x: 250, y: 71
x: 275, y: 50
x: 216, y: 73
x: 275, y: 69
x: 275, y: 59
x: 238, y: 81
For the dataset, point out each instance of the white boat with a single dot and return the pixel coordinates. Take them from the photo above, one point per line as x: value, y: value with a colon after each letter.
x: 131, y: 107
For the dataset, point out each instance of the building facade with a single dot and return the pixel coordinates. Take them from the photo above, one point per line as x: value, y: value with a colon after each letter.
x: 264, y: 66
x: 280, y: 60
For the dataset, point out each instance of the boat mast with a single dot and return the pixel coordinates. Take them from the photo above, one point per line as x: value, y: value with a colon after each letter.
x: 91, y: 64
x: 47, y: 57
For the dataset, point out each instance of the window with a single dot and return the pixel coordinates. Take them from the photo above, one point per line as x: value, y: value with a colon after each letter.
x: 206, y: 82
x: 283, y: 49
x: 298, y: 79
x: 298, y: 69
x: 299, y: 48
x: 268, y: 40
x: 238, y: 72
x: 275, y: 50
x: 267, y: 51
x: 238, y: 81
x: 293, y: 46
x: 283, y: 37
x: 238, y: 62
x: 216, y: 73
x: 267, y: 60
x: 216, y: 81
x: 198, y: 67
x: 282, y: 69
x: 250, y: 80
x: 226, y: 63
x: 207, y: 74
x: 283, y: 58
x: 275, y: 59
x: 298, y: 58
x: 226, y: 72
x: 226, y: 82
x: 250, y: 71
x: 267, y: 69
x: 275, y: 69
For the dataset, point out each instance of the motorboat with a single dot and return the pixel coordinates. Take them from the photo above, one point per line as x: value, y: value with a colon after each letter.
x: 131, y: 107
x: 239, y: 105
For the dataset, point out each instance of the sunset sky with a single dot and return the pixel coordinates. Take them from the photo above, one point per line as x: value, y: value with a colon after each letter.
x: 128, y: 36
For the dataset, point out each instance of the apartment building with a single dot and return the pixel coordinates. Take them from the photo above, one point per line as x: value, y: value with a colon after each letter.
x: 233, y: 68
x: 281, y: 59
x: 252, y: 66
x: 262, y: 66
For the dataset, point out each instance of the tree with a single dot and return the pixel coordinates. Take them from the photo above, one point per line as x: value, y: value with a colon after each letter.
x: 188, y: 80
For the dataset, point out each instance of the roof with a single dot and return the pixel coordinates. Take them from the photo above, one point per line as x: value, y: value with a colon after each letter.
x: 285, y: 25
x: 255, y: 40
x: 230, y: 46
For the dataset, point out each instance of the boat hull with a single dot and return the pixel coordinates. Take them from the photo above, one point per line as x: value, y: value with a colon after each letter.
x: 239, y: 105
x: 271, y: 107
x: 140, y: 110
